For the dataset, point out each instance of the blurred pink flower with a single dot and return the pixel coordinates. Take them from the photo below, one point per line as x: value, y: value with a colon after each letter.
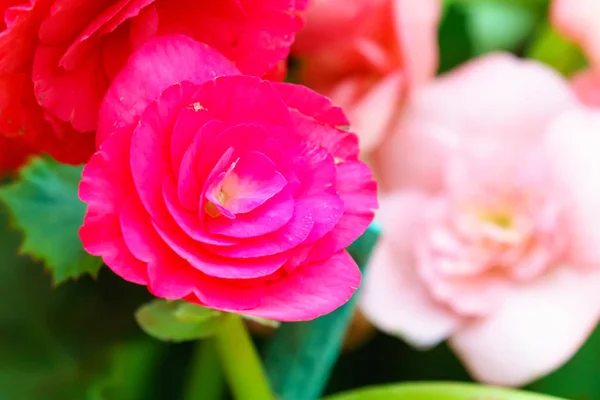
x: 491, y: 220
x: 586, y: 85
x: 578, y: 20
x: 365, y: 54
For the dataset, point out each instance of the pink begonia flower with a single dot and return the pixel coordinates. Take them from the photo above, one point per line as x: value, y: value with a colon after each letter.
x: 223, y: 189
x: 491, y: 220
x: 58, y: 57
x: 366, y: 55
x: 578, y: 20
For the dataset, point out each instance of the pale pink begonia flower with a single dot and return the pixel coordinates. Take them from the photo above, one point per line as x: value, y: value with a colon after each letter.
x: 491, y: 220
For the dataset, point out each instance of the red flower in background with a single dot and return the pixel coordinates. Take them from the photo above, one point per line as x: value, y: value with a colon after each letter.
x: 14, y: 151
x: 58, y: 57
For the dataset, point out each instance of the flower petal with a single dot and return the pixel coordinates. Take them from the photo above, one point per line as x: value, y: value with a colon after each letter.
x: 101, y: 233
x: 433, y: 124
x: 536, y: 330
x: 311, y: 291
x: 152, y: 68
x: 394, y: 298
x: 571, y: 146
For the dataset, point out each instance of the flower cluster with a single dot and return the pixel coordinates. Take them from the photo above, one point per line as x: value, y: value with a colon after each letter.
x: 58, y: 57
x: 206, y: 179
x: 209, y: 179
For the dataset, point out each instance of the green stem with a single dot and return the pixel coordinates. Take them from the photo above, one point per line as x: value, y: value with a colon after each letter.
x: 551, y: 48
x: 240, y: 361
x: 205, y: 380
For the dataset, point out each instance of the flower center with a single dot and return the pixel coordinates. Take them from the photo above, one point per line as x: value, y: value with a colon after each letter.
x: 500, y: 219
x: 248, y: 182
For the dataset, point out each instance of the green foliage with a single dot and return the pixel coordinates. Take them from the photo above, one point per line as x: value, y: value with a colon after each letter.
x: 177, y: 321
x: 455, y: 43
x: 299, y: 359
x: 45, y: 206
x: 437, y: 391
x: 496, y: 25
x: 78, y: 341
x: 551, y: 48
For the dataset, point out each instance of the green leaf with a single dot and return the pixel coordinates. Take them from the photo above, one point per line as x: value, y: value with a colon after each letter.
x: 454, y: 41
x: 45, y: 206
x: 300, y: 357
x: 60, y: 343
x: 177, y: 321
x: 437, y: 391
x: 496, y: 25
x: 553, y: 49
x: 131, y: 366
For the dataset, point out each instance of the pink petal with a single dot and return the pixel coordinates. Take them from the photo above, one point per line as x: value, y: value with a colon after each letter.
x: 394, y: 298
x: 271, y: 216
x: 311, y: 291
x: 149, y: 243
x: 152, y: 68
x: 289, y: 236
x: 243, y: 100
x: 189, y: 222
x: 189, y: 188
x: 150, y: 147
x: 356, y: 186
x: 172, y: 278
x: 537, y: 329
x: 358, y: 191
x: 373, y: 114
x: 311, y: 104
x: 188, y: 124
x: 252, y: 181
x: 205, y: 260
x: 572, y: 146
x: 232, y: 141
x: 341, y: 144
x: 347, y: 230
x: 327, y: 209
x: 105, y: 188
x: 416, y: 26
x: 434, y: 124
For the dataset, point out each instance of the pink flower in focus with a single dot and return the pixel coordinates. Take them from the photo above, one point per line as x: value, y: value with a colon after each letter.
x: 491, y: 221
x: 223, y: 189
x: 578, y: 20
x: 58, y: 57
x: 366, y: 55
